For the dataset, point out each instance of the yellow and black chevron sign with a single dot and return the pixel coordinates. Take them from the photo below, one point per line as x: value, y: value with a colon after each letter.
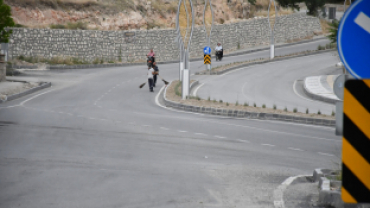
x: 356, y: 142
x: 207, y: 59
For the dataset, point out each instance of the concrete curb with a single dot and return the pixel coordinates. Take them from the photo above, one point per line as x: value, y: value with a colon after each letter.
x: 263, y: 62
x: 27, y: 92
x: 327, y: 197
x: 316, y: 96
x: 245, y: 114
x: 86, y: 66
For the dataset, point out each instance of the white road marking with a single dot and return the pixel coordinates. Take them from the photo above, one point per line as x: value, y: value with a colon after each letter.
x: 279, y: 191
x: 363, y: 21
x: 164, y: 128
x: 33, y: 97
x: 271, y: 145
x: 12, y: 106
x: 244, y: 141
x: 325, y: 154
x: 182, y: 131
x: 295, y: 149
x: 196, y: 90
x: 251, y: 127
x: 221, y: 137
x: 295, y: 91
x: 261, y: 129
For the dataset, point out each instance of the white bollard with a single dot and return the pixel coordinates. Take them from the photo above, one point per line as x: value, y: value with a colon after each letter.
x: 272, y: 51
x: 185, y: 83
x: 181, y: 71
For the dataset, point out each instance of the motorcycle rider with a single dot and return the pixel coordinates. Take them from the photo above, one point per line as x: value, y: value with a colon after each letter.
x: 151, y: 55
x: 150, y: 75
x: 219, y: 51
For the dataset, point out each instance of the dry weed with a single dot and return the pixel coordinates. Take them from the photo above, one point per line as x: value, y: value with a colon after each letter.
x: 324, y: 26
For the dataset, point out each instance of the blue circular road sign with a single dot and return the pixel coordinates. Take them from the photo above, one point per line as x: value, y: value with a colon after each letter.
x: 207, y: 50
x: 354, y: 39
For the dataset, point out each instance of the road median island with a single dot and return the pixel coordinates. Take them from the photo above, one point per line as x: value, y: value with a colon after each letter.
x: 11, y: 90
x: 232, y: 66
x: 242, y: 110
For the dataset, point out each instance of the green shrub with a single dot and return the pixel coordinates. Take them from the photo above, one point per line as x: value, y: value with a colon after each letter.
x: 286, y: 109
x: 263, y: 106
x: 274, y: 107
x: 77, y: 26
x: 227, y: 104
x: 96, y: 61
x: 319, y: 112
x: 332, y: 113
x: 57, y: 26
x: 246, y: 104
x: 307, y: 111
x: 221, y: 101
x: 254, y: 105
x: 21, y: 57
x: 19, y: 25
x: 295, y: 110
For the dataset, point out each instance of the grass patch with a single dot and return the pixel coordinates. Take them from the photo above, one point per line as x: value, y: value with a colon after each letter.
x: 178, y: 89
x: 70, y: 26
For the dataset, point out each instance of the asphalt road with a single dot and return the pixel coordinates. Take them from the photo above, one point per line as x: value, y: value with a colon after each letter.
x: 277, y: 83
x: 96, y: 140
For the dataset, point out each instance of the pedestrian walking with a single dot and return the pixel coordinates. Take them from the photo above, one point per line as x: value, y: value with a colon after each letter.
x: 156, y: 70
x: 150, y: 74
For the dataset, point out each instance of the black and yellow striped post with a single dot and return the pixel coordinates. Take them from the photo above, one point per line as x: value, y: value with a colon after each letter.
x: 356, y: 142
x: 207, y: 59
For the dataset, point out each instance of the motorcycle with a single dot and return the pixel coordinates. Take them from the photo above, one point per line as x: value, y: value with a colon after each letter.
x: 150, y: 61
x: 219, y: 55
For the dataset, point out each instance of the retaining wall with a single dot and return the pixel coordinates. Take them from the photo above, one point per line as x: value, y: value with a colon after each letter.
x: 110, y: 45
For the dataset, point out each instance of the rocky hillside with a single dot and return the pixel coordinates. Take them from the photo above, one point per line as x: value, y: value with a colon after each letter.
x: 124, y: 14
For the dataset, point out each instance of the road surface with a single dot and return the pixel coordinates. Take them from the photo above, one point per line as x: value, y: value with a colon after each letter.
x: 96, y: 140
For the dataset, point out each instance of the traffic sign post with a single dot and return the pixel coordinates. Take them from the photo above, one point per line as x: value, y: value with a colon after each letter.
x: 353, y: 48
x: 207, y: 50
x: 354, y: 39
x: 356, y: 142
x: 207, y: 58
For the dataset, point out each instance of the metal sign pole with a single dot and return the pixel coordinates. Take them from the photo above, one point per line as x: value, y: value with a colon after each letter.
x: 184, y: 46
x: 208, y: 37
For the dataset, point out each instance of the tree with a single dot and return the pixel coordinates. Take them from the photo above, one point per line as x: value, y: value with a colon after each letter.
x: 290, y: 3
x: 314, y: 5
x: 252, y: 2
x: 333, y: 30
x: 5, y: 21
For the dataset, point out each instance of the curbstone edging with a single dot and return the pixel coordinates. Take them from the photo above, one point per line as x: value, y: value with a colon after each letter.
x: 316, y: 96
x: 244, y: 114
x: 27, y: 92
x: 266, y: 61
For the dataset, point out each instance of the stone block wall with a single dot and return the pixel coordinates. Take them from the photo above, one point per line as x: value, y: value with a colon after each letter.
x: 110, y: 45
